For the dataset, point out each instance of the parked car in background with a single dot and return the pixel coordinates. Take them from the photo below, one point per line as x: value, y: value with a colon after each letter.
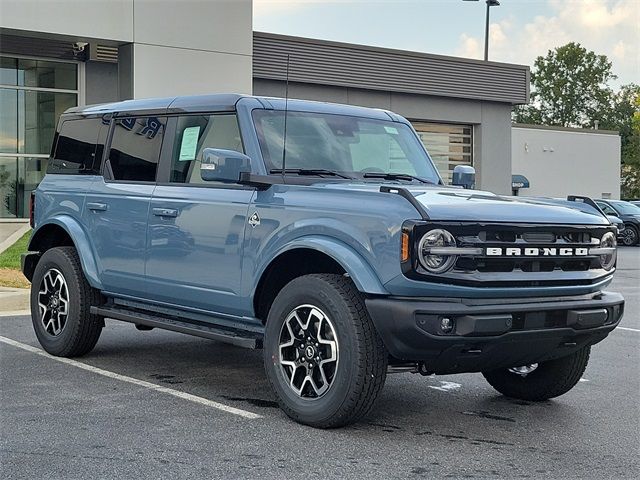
x: 629, y: 214
x: 635, y: 202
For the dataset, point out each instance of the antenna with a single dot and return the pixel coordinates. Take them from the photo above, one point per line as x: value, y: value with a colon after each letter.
x: 286, y: 112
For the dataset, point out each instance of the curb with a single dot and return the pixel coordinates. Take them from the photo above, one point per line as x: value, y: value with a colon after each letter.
x: 14, y: 237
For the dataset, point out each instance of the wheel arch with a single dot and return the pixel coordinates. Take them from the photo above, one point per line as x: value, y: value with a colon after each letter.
x: 64, y: 231
x: 311, y: 255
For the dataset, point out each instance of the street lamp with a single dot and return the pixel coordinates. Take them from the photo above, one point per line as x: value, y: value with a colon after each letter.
x: 490, y: 3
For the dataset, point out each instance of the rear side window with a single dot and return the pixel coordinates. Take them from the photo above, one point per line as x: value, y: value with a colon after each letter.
x: 135, y: 148
x: 75, y: 147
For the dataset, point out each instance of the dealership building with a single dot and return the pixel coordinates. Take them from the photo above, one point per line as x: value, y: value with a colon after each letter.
x: 55, y: 55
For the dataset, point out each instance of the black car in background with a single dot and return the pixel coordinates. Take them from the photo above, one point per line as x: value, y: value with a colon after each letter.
x: 629, y: 214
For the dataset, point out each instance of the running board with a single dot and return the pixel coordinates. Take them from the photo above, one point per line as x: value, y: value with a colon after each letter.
x: 239, y: 338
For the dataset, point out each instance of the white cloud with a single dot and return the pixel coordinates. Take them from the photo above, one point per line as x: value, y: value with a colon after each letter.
x: 271, y: 7
x: 607, y: 27
x: 470, y: 47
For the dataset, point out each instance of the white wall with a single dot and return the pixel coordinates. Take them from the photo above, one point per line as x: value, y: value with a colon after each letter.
x: 180, y: 47
x: 109, y: 19
x: 561, y: 162
x: 187, y: 47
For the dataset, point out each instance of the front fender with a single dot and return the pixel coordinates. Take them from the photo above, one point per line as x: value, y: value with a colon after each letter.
x: 80, y: 240
x: 363, y: 276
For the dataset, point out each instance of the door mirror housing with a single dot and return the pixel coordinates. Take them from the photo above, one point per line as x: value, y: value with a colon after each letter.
x: 219, y: 165
x: 464, y: 176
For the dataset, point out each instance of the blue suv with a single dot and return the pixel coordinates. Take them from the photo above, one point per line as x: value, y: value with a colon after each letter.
x: 320, y: 233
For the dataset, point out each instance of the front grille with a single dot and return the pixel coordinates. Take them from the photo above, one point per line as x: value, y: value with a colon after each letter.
x: 519, y: 269
x: 524, y: 265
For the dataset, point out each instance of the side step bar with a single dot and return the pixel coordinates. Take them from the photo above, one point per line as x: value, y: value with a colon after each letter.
x: 248, y: 340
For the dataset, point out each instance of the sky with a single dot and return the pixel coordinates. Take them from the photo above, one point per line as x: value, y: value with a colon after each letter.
x: 520, y: 30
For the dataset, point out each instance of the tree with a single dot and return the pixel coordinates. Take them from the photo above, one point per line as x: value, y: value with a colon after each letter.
x: 569, y: 88
x: 629, y: 110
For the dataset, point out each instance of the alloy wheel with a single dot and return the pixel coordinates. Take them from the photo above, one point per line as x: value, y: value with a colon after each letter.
x: 309, y: 352
x: 524, y: 370
x: 629, y: 236
x: 53, y: 302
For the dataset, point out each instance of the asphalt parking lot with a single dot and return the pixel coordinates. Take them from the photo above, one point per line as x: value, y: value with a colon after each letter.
x: 163, y: 405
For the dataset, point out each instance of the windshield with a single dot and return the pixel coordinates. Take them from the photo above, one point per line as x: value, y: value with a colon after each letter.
x: 626, y: 208
x: 350, y: 145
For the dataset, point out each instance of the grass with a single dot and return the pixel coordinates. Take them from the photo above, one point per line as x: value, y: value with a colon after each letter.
x: 10, y: 274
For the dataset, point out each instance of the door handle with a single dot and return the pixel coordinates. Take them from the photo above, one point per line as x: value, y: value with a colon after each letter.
x: 165, y: 212
x: 97, y: 207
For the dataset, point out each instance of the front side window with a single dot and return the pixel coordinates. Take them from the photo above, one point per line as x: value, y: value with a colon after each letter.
x: 194, y: 133
x: 135, y: 148
x: 350, y: 145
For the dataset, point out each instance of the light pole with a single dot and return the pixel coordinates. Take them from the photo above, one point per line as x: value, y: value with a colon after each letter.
x: 490, y: 3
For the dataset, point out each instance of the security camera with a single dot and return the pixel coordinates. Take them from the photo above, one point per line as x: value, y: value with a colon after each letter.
x: 78, y: 47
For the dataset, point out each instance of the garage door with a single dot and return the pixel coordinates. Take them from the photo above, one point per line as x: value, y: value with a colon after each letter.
x: 448, y: 144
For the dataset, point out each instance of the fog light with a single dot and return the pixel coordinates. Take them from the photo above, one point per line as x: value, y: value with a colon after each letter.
x: 446, y: 325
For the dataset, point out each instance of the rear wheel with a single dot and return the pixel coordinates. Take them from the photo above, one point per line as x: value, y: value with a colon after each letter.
x: 323, y: 356
x: 629, y: 236
x: 541, y: 381
x: 61, y: 299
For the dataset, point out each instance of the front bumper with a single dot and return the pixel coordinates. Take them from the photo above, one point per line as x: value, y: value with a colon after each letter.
x: 492, y: 333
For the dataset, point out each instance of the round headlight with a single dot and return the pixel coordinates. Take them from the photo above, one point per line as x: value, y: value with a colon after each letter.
x: 608, y: 260
x: 435, y: 263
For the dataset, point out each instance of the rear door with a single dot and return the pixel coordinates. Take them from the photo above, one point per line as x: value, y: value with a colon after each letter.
x: 117, y: 205
x: 196, y: 228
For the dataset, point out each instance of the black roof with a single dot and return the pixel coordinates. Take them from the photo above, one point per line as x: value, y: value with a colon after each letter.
x: 191, y: 103
x: 221, y: 103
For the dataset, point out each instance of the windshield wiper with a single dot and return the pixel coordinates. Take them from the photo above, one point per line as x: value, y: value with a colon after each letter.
x: 395, y: 176
x: 310, y: 171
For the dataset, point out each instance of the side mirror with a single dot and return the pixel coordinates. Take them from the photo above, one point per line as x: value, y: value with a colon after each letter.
x: 464, y: 176
x: 220, y: 165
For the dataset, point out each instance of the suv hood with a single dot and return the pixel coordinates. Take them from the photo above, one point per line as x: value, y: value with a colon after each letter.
x: 450, y: 203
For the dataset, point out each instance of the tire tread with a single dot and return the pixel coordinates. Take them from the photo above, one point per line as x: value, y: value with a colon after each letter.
x: 550, y: 380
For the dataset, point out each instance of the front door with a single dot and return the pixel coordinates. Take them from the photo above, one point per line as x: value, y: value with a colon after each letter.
x: 117, y: 206
x: 196, y: 228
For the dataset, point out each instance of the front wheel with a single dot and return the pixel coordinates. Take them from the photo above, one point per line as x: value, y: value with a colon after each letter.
x: 323, y: 356
x: 541, y: 381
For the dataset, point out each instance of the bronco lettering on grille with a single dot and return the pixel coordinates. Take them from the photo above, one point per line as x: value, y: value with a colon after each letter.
x: 537, y: 252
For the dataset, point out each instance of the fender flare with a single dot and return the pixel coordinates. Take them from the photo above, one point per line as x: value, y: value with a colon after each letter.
x: 81, y: 242
x: 360, y: 271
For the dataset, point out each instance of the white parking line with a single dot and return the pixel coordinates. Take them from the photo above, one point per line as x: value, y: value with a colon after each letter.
x: 627, y: 328
x: 135, y: 381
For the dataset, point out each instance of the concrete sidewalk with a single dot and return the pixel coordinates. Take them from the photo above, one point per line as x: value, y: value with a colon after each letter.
x: 14, y: 300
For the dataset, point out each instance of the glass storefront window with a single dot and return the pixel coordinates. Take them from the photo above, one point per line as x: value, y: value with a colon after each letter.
x: 43, y: 74
x: 8, y: 187
x: 33, y: 94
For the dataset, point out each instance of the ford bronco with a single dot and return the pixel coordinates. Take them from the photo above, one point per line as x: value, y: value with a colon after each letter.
x: 322, y: 234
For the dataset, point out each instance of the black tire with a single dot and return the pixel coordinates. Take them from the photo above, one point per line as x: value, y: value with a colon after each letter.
x: 629, y: 236
x: 550, y: 379
x: 361, y: 368
x: 80, y: 330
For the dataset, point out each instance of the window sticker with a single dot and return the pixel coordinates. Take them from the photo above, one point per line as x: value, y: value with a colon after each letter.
x: 391, y: 130
x: 189, y: 144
